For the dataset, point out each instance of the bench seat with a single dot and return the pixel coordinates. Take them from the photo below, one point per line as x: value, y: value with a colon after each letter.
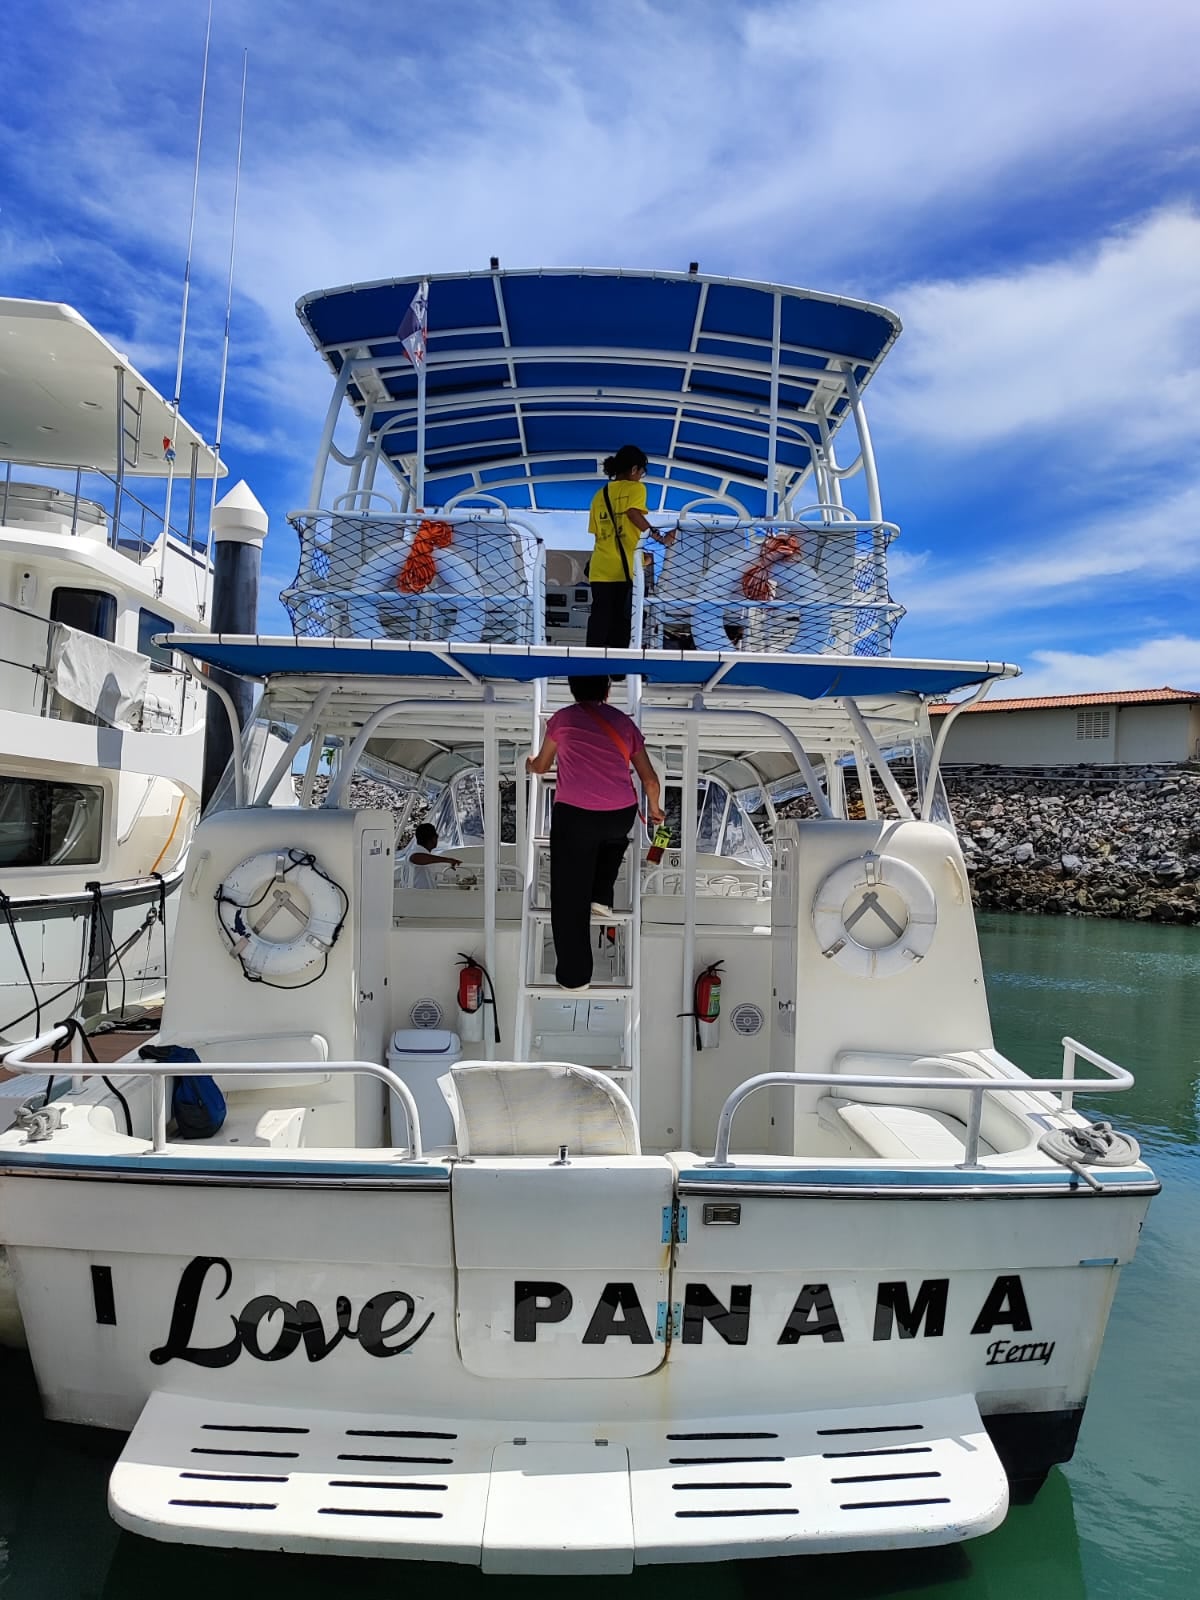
x: 900, y: 1133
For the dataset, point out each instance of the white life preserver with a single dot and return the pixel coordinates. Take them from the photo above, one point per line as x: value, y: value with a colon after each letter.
x: 794, y: 580
x: 870, y: 934
x: 374, y: 588
x: 280, y: 912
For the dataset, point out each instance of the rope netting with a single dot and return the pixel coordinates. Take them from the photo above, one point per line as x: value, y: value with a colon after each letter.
x: 784, y: 586
x: 419, y: 577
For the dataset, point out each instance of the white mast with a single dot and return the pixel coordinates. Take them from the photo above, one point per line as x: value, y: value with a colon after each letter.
x: 237, y: 181
x: 187, y: 283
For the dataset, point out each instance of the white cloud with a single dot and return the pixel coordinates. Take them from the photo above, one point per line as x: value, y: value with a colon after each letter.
x: 902, y: 564
x: 1172, y: 662
x: 1155, y: 541
x: 1103, y: 343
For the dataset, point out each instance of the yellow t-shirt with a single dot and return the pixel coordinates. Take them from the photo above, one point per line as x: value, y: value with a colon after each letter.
x: 606, y: 564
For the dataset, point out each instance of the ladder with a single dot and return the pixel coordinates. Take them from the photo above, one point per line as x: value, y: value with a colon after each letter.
x: 537, y: 991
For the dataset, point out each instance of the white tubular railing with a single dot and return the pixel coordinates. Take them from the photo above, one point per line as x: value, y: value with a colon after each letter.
x: 792, y: 585
x: 159, y: 1071
x: 975, y: 1087
x: 486, y: 584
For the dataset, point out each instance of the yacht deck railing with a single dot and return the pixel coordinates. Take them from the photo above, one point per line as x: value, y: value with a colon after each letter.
x: 393, y: 574
x: 816, y: 583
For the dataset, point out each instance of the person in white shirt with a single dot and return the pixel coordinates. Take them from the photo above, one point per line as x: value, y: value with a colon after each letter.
x: 419, y: 858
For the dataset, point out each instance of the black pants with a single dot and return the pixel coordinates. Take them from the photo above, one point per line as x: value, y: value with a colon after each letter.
x: 611, y: 619
x: 586, y: 851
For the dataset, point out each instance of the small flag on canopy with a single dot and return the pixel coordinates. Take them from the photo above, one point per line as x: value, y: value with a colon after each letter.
x: 412, y: 330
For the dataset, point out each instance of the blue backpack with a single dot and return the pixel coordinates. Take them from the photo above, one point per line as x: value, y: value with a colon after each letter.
x: 197, y: 1104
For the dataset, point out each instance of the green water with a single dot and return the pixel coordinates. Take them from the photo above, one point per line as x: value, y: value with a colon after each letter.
x: 1118, y: 1523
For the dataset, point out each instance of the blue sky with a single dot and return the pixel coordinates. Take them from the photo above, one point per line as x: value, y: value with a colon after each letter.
x: 1019, y: 181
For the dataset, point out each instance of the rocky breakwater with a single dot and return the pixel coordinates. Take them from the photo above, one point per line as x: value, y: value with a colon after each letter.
x: 1077, y: 844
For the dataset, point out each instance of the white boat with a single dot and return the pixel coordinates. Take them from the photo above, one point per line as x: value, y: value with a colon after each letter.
x: 577, y: 1281
x: 101, y: 729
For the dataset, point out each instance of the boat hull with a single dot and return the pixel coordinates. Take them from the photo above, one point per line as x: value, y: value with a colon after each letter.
x: 265, y: 1293
x: 86, y: 956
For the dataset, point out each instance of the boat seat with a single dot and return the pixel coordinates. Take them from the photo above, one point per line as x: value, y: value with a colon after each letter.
x: 899, y: 1133
x: 505, y: 1108
x: 298, y: 1047
x: 273, y: 1127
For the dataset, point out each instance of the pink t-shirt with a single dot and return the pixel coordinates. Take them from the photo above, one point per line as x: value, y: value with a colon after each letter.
x: 593, y: 773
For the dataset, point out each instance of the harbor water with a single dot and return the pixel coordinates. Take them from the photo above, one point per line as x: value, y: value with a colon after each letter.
x: 1118, y: 1523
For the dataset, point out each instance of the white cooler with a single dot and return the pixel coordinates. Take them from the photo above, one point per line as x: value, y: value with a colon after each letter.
x: 420, y: 1056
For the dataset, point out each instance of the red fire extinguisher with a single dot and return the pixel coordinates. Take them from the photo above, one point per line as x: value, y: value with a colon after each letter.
x: 470, y: 998
x: 470, y: 987
x: 707, y: 995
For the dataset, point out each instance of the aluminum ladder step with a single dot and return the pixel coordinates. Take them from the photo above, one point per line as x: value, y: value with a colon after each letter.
x: 592, y: 991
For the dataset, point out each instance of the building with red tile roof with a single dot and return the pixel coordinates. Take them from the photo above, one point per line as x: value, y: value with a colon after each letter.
x: 1115, y: 727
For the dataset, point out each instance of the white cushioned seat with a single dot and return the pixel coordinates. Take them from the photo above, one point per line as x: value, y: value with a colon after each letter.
x: 259, y: 1047
x: 900, y: 1133
x: 505, y: 1108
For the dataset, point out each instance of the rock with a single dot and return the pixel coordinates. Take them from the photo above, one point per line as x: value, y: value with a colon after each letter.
x: 1071, y: 864
x: 1024, y: 851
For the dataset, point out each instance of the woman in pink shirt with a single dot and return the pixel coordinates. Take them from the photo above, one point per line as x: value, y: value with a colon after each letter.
x: 595, y: 804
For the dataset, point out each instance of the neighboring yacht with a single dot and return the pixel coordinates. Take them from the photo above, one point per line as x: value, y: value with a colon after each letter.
x: 755, y: 1246
x: 101, y: 728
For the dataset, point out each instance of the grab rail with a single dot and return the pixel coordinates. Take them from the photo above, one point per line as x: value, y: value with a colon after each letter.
x: 975, y: 1087
x: 157, y: 1071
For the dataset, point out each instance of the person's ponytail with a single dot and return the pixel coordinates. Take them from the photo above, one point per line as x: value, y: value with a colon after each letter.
x: 626, y: 459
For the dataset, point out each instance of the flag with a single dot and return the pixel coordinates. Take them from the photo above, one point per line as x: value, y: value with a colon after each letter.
x: 411, y: 331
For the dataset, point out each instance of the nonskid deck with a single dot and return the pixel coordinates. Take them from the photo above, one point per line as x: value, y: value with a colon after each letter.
x: 536, y: 1497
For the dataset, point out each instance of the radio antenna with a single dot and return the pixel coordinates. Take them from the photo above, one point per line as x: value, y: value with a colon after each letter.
x: 237, y: 184
x: 183, y: 315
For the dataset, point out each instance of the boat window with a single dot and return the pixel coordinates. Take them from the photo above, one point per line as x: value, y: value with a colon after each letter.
x: 48, y: 824
x: 458, y: 813
x: 148, y: 625
x: 711, y: 817
x: 89, y: 610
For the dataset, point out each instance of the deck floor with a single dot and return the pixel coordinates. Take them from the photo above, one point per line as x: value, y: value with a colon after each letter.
x: 109, y: 1046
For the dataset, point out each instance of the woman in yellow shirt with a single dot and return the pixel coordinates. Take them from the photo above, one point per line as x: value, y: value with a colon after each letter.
x: 617, y: 521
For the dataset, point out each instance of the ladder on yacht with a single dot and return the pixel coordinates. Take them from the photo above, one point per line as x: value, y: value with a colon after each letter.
x: 581, y: 1022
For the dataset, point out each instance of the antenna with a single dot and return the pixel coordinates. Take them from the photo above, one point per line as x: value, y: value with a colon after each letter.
x: 187, y: 283
x: 237, y: 183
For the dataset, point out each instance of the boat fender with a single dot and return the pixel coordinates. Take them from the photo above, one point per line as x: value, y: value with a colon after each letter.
x: 869, y: 935
x: 281, y: 913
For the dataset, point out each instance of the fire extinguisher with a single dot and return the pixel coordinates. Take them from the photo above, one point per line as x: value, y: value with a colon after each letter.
x: 707, y: 999
x: 471, y: 999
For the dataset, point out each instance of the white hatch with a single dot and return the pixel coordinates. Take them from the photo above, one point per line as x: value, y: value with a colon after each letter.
x: 558, y: 1497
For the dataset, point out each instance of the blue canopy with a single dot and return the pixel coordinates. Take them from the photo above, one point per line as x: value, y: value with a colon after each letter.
x: 534, y: 376
x: 816, y: 677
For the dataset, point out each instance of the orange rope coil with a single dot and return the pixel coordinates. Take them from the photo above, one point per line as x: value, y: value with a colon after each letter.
x: 420, y: 566
x: 757, y: 583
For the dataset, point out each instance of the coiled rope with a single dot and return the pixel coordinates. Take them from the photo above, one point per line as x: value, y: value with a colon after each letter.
x: 1096, y: 1145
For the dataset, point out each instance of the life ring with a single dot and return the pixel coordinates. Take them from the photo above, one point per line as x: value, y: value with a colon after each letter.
x: 280, y: 912
x: 374, y: 589
x: 869, y: 933
x: 794, y: 580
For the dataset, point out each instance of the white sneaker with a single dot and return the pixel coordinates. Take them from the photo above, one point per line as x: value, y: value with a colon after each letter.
x: 601, y: 911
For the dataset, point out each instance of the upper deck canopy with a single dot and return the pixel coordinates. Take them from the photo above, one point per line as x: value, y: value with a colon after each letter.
x: 534, y: 376
x: 58, y: 398
x: 812, y: 677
